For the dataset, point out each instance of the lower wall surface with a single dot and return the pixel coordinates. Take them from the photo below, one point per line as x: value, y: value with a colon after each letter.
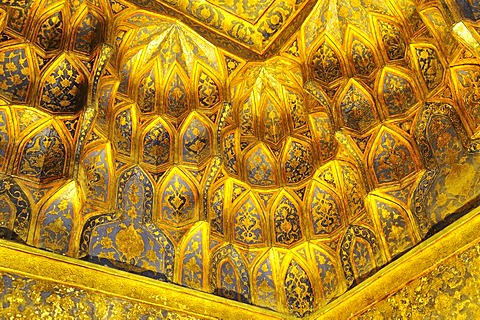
x: 35, y: 298
x: 450, y: 291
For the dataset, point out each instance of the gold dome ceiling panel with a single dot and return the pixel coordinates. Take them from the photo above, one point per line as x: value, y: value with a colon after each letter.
x: 249, y: 27
x: 278, y: 161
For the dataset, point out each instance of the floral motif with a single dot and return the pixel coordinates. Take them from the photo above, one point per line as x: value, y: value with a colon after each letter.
x: 88, y: 34
x: 469, y: 91
x: 298, y: 110
x: 395, y: 227
x: 299, y: 162
x: 393, y: 40
x: 248, y: 223
x: 363, y: 59
x: 50, y: 34
x: 259, y: 169
x: 230, y: 152
x: 298, y: 290
x: 133, y: 243
x: 104, y: 101
x: 398, y: 94
x: 196, y: 142
x: 156, y: 145
x: 265, y: 285
x: 328, y: 274
x: 97, y: 175
x: 278, y: 13
x: 326, y: 64
x: 325, y: 211
x: 392, y: 160
x: 229, y: 277
x: 430, y: 65
x: 123, y: 131
x: 193, y: 257
x: 4, y: 137
x: 44, y: 155
x: 357, y: 110
x: 15, y: 211
x: 178, y: 200
x: 287, y: 222
x: 15, y: 74
x: 359, y: 254
x: 58, y: 220
x: 176, y: 97
x: 216, y: 205
x: 208, y: 91
x: 146, y: 99
x: 273, y: 122
x: 64, y: 88
x: 246, y: 118
x: 325, y: 136
x: 353, y: 189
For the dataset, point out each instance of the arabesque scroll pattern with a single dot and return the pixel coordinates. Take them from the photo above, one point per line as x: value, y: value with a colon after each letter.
x: 281, y: 183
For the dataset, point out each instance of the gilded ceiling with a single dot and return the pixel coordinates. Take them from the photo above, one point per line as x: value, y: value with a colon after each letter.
x: 275, y: 152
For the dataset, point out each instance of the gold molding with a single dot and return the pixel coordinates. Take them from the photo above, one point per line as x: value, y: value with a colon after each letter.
x: 42, y: 265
